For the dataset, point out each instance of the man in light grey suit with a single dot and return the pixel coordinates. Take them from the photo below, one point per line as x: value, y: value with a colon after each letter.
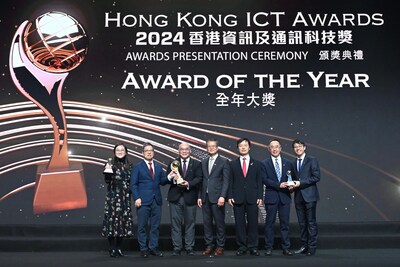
x: 212, y: 196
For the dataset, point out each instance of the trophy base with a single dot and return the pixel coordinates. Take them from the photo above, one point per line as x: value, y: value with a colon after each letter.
x: 59, y: 190
x: 290, y: 183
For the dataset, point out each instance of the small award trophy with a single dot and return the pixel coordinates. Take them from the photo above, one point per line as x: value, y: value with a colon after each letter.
x: 175, y: 167
x: 108, y: 169
x: 290, y: 181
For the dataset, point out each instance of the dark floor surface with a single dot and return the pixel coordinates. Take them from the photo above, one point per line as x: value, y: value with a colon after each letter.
x: 323, y: 258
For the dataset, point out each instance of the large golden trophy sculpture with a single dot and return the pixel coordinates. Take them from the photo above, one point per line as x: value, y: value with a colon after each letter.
x: 41, y: 55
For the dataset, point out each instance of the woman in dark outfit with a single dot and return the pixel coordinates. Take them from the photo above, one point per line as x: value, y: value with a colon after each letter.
x: 117, y: 222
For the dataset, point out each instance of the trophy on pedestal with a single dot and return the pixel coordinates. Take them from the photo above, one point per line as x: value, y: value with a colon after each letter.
x: 290, y: 180
x: 42, y: 52
x: 175, y: 167
x: 108, y: 169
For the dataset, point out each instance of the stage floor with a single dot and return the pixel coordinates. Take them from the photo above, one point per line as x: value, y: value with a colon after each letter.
x: 323, y: 258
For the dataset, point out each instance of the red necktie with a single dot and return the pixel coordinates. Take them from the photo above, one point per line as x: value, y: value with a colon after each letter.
x: 151, y: 171
x: 244, y: 167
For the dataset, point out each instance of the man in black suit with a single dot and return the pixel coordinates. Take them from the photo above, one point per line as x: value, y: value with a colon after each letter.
x: 276, y: 171
x: 212, y: 197
x: 245, y: 195
x: 183, y: 199
x: 306, y: 195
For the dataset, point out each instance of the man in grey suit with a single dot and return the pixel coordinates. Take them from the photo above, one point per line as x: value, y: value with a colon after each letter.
x: 306, y: 195
x: 212, y: 197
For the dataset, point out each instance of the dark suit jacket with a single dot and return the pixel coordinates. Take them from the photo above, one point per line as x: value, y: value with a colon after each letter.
x: 142, y: 184
x: 273, y: 192
x: 308, y: 177
x: 245, y: 189
x: 194, y: 176
x: 217, y: 181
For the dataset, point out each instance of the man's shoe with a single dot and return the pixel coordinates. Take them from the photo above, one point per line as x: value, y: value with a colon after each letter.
x: 190, y: 252
x: 241, y: 252
x: 120, y: 253
x: 219, y: 251
x: 144, y: 253
x: 287, y: 252
x: 176, y: 252
x: 254, y: 252
x: 301, y: 250
x: 268, y: 252
x: 155, y: 252
x: 113, y: 253
x: 207, y: 252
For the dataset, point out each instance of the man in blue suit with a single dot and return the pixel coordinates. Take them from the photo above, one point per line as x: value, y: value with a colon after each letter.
x: 276, y: 171
x: 146, y: 178
x: 307, y: 175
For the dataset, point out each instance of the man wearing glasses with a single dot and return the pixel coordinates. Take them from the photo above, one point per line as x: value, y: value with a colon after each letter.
x: 146, y: 178
x: 182, y: 199
x: 306, y: 195
x: 212, y: 197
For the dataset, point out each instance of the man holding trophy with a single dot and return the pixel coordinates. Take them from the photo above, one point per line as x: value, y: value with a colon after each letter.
x: 276, y: 173
x: 185, y: 176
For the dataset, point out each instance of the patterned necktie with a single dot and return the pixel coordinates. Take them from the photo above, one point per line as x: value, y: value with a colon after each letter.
x: 299, y: 166
x: 151, y: 171
x: 244, y: 167
x: 277, y: 169
x: 184, y: 168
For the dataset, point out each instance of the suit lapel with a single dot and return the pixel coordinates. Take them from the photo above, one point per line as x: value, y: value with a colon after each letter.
x: 272, y: 166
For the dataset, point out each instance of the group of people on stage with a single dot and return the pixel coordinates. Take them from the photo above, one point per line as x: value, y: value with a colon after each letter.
x: 210, y: 184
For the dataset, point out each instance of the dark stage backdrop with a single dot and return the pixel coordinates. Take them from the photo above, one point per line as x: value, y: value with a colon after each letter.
x: 168, y: 71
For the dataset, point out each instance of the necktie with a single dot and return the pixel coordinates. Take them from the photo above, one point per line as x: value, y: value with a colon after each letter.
x: 184, y: 168
x: 299, y: 166
x: 244, y: 167
x: 210, y: 164
x: 151, y: 171
x: 277, y: 169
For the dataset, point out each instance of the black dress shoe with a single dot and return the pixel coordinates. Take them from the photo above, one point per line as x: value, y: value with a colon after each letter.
x: 144, y: 253
x: 113, y: 253
x: 155, y: 252
x: 287, y: 252
x: 301, y: 250
x: 176, y: 252
x: 254, y: 252
x: 268, y: 252
x: 241, y: 252
x: 120, y: 253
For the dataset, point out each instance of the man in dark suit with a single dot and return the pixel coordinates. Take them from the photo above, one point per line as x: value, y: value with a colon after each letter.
x: 212, y: 197
x: 146, y: 178
x: 307, y: 175
x: 275, y: 173
x: 183, y: 199
x: 245, y: 195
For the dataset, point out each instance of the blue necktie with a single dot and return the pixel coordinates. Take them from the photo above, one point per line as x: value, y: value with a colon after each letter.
x: 299, y: 166
x: 277, y: 169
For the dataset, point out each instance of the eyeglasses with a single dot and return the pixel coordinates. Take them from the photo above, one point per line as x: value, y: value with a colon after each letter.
x: 148, y: 150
